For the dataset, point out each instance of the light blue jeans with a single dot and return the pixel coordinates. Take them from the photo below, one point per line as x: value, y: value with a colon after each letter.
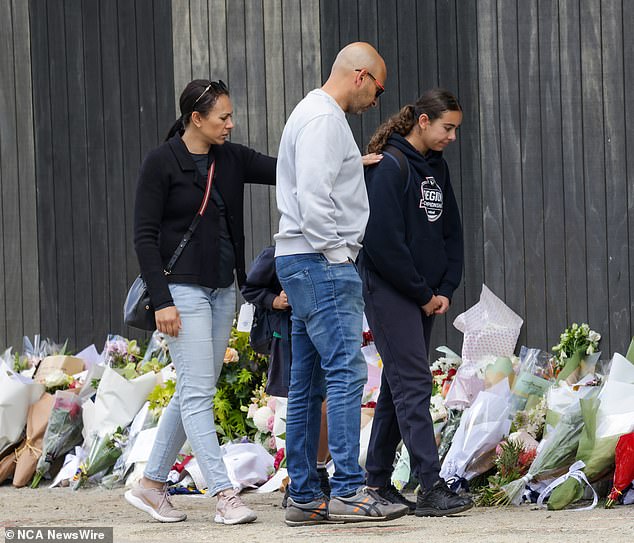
x: 326, y: 341
x: 198, y: 354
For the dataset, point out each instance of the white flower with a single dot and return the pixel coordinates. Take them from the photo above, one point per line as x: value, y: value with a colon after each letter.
x: 261, y: 418
x: 57, y: 378
x: 594, y: 337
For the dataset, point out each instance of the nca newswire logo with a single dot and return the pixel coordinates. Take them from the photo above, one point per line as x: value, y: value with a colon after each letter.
x: 45, y: 535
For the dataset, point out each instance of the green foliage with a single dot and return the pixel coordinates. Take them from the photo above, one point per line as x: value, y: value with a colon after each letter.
x: 161, y: 396
x: 508, y: 468
x: 241, y: 374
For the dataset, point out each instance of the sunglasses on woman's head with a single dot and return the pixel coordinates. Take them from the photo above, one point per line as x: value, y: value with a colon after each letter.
x: 218, y: 86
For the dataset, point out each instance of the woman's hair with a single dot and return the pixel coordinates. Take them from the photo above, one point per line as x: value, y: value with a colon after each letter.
x: 199, y: 95
x: 433, y: 103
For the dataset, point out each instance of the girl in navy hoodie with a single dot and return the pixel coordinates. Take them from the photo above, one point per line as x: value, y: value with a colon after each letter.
x: 410, y: 264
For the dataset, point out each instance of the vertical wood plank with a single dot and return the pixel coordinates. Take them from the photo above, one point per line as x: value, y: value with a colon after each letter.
x: 531, y: 174
x: 447, y: 53
x: 510, y: 163
x: 594, y: 167
x: 572, y: 152
x: 137, y: 131
x: 47, y: 265
x: 182, y: 47
x: 275, y: 110
x: 219, y: 35
x: 408, y: 63
x: 552, y: 178
x: 12, y: 307
x: 10, y: 294
x: 628, y: 71
x: 389, y: 103
x: 368, y: 31
x: 618, y: 281
x: 77, y: 121
x: 470, y: 157
x: 164, y: 67
x: 199, y: 38
x: 62, y: 174
x: 26, y: 170
x: 492, y: 190
x: 256, y: 77
x: 113, y: 128
x: 96, y: 172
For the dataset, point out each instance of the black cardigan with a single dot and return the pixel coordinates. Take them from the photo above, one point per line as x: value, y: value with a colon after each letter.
x: 169, y: 193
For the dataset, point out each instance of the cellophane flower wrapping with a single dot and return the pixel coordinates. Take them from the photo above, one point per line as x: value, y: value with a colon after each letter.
x: 624, y: 468
x: 490, y: 328
x: 553, y: 452
x: 62, y: 433
x: 482, y: 427
x: 535, y: 377
x: 103, y: 454
x: 606, y: 418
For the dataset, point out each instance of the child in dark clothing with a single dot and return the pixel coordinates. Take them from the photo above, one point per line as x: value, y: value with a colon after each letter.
x: 263, y: 289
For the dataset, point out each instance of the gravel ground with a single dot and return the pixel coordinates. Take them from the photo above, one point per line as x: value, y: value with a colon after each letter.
x: 98, y: 507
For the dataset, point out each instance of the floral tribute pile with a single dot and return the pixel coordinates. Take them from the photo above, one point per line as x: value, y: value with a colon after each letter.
x: 537, y: 426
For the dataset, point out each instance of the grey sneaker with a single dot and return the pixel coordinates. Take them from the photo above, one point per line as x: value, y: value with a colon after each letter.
x: 365, y: 505
x: 231, y: 509
x: 304, y: 514
x: 155, y: 502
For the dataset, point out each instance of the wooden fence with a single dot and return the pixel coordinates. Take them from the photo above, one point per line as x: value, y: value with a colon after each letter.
x: 542, y: 168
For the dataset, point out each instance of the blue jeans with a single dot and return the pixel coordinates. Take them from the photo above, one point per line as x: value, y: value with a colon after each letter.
x: 327, y: 306
x: 198, y: 354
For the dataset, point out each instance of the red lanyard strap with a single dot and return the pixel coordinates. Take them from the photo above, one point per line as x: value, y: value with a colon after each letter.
x: 192, y: 227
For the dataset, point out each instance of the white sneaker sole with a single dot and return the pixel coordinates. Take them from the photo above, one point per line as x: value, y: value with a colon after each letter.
x: 140, y: 504
x: 240, y: 520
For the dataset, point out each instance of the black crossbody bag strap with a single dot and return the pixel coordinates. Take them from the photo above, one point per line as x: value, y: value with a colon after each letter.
x: 192, y: 227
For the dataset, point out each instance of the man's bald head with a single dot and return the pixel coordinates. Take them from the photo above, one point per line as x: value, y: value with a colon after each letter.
x: 357, y: 73
x: 359, y: 55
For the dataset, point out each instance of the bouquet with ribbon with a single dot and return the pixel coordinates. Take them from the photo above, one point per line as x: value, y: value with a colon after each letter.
x: 555, y: 451
x: 606, y: 419
x: 62, y: 433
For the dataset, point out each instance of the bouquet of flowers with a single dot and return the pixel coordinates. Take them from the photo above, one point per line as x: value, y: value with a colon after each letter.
x: 606, y: 419
x: 443, y: 371
x: 103, y: 454
x: 512, y: 460
x: 624, y: 472
x: 261, y: 412
x: 59, y: 380
x: 62, y: 433
x: 575, y: 344
x: 555, y: 451
x: 122, y: 355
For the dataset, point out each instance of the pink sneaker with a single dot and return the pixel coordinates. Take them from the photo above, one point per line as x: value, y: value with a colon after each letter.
x: 155, y: 502
x: 231, y: 509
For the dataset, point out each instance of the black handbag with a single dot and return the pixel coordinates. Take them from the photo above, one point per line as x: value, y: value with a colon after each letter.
x: 138, y: 310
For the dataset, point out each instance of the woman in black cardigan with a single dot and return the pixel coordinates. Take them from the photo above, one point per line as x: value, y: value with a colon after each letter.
x: 195, y: 303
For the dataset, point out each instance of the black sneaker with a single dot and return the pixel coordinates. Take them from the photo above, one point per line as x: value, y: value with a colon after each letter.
x: 287, y: 493
x: 324, y: 482
x: 305, y: 514
x: 440, y: 501
x: 365, y: 505
x: 394, y: 496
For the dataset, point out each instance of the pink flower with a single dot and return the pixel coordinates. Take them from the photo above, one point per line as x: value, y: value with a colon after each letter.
x: 269, y: 423
x: 271, y: 443
x: 271, y: 403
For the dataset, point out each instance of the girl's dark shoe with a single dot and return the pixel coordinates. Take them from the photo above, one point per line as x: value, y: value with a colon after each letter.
x: 394, y: 496
x: 440, y: 501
